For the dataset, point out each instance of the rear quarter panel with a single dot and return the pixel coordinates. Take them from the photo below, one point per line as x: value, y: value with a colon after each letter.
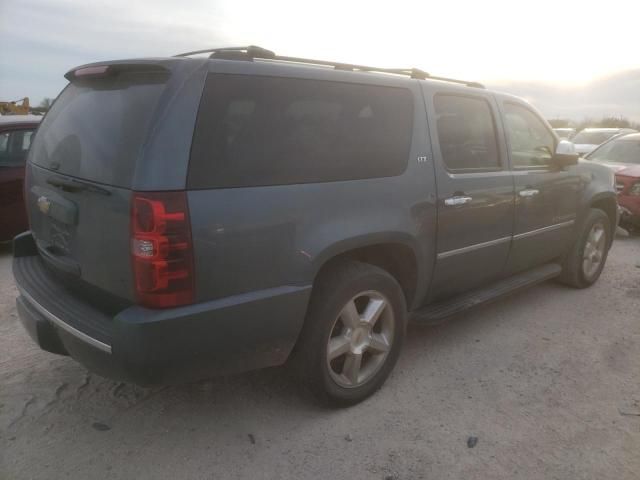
x: 255, y: 238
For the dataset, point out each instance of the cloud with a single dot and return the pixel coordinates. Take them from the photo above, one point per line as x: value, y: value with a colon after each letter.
x: 614, y: 95
x: 45, y: 39
x: 489, y: 40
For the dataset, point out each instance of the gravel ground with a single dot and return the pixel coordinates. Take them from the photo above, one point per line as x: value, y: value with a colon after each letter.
x: 548, y: 380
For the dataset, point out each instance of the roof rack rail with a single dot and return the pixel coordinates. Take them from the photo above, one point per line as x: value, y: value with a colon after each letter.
x: 253, y: 52
x: 250, y: 51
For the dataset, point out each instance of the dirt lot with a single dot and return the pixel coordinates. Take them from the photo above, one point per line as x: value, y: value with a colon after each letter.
x: 547, y: 380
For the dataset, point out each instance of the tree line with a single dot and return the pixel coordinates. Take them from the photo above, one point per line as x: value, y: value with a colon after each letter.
x: 604, y: 122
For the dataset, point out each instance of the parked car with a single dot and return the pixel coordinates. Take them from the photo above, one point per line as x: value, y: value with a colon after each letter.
x: 622, y: 154
x: 588, y: 139
x: 16, y: 132
x: 192, y: 216
x: 565, y: 133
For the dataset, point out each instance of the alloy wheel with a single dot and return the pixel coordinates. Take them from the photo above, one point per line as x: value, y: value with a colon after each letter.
x: 360, y: 339
x: 594, y: 250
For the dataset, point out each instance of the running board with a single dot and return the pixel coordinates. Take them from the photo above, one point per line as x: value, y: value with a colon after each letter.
x: 438, y: 312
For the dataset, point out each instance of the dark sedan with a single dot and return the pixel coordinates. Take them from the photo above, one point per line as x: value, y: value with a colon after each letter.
x: 16, y: 132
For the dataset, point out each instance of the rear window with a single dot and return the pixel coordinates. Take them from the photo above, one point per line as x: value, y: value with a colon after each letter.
x: 254, y: 130
x: 95, y: 129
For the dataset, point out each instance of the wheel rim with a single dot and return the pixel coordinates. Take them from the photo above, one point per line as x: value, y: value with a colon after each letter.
x: 594, y: 250
x: 360, y: 339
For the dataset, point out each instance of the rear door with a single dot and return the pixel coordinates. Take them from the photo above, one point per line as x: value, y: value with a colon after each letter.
x: 546, y: 196
x: 475, y: 190
x: 80, y: 173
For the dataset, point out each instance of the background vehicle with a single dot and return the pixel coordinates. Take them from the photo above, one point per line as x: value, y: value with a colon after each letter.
x: 588, y: 139
x: 232, y: 212
x: 565, y: 133
x: 15, y: 107
x: 622, y: 154
x: 16, y: 132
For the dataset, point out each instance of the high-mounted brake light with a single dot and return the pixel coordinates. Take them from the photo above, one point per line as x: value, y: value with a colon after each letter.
x: 113, y: 70
x: 161, y: 249
x: 99, y: 70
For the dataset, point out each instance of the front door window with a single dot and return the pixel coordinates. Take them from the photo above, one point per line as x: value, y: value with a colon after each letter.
x: 531, y: 143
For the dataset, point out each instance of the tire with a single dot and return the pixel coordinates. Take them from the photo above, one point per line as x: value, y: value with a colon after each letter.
x: 344, y: 297
x: 575, y: 270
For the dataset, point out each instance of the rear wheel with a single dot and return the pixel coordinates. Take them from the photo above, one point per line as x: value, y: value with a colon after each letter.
x: 353, y: 333
x: 585, y: 261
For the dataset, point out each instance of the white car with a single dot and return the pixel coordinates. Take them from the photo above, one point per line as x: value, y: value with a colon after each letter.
x: 565, y: 133
x: 588, y: 139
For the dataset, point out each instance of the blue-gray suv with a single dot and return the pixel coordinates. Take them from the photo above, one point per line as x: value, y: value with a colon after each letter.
x: 197, y: 215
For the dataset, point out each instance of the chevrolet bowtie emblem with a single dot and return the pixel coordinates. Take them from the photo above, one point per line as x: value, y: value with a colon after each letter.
x: 44, y: 204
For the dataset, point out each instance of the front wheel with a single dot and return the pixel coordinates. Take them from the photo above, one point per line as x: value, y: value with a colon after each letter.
x: 586, y: 258
x: 353, y: 333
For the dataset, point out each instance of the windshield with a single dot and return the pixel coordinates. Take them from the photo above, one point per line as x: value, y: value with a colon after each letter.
x: 593, y: 138
x: 95, y: 129
x: 618, y: 151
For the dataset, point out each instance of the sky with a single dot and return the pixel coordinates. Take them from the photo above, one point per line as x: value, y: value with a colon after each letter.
x: 562, y: 42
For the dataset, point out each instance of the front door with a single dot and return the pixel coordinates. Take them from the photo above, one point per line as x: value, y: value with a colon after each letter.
x: 546, y: 196
x: 475, y: 191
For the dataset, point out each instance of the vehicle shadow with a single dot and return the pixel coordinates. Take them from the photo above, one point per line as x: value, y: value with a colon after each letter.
x: 58, y: 391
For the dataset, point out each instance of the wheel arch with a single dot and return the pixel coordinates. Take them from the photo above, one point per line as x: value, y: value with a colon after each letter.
x: 607, y: 202
x: 394, y: 252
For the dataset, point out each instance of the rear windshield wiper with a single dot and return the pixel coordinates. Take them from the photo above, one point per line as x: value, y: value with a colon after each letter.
x: 75, y: 185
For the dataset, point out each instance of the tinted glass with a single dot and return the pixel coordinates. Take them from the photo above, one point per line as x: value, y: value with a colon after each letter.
x: 531, y: 143
x: 619, y: 151
x: 466, y: 133
x: 95, y: 130
x: 254, y: 130
x: 14, y: 146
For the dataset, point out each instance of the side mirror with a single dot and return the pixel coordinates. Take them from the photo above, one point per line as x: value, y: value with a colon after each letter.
x: 565, y: 154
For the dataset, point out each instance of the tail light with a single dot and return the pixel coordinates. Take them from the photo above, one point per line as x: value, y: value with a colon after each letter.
x: 161, y: 249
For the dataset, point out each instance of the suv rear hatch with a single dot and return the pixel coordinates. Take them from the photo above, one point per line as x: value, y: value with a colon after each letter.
x: 80, y: 173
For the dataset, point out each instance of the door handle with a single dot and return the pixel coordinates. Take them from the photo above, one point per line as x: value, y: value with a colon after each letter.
x: 457, y: 200
x: 529, y: 192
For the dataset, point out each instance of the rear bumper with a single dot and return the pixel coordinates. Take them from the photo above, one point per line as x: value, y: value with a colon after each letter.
x: 145, y: 346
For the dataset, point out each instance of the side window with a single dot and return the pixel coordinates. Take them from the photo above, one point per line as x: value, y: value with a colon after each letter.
x: 466, y: 133
x: 255, y: 130
x: 4, y: 143
x: 14, y: 146
x: 531, y: 143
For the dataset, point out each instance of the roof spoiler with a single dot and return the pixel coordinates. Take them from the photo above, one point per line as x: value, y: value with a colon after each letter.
x: 102, y: 71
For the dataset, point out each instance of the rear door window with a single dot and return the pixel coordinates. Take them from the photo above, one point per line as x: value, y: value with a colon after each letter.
x: 466, y: 133
x: 96, y: 129
x: 255, y: 130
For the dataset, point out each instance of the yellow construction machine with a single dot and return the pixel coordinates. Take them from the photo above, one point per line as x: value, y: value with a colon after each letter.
x: 17, y: 107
